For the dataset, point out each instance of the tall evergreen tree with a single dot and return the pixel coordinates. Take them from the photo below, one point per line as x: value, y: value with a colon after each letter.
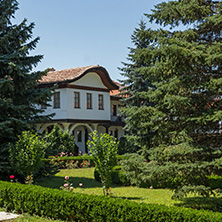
x: 18, y: 93
x: 135, y: 82
x: 185, y: 68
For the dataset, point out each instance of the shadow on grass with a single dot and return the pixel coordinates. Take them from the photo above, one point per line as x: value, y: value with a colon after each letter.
x: 56, y: 182
x: 128, y: 198
x: 209, y: 203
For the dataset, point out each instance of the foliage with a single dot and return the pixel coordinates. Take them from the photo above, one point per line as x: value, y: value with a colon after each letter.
x: 134, y: 168
x: 184, y: 167
x: 190, y: 165
x: 117, y: 176
x: 104, y: 151
x: 19, y: 95
x: 26, y: 155
x: 48, y: 168
x: 181, y: 60
x: 81, y: 207
x: 126, y: 147
x: 58, y: 141
x: 135, y: 82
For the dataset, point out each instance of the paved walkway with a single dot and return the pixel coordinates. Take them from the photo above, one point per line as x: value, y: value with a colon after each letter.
x: 4, y: 216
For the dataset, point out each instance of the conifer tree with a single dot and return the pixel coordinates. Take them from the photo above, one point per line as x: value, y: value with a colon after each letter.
x: 135, y: 82
x: 19, y: 96
x: 184, y: 66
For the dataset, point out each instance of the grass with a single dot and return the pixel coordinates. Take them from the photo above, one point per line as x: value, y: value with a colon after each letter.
x: 91, y: 186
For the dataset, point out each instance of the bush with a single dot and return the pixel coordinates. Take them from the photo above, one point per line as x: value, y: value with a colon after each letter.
x: 183, y: 167
x: 58, y: 141
x: 118, y: 176
x: 215, y: 181
x: 104, y: 151
x: 63, y: 205
x: 135, y: 167
x: 126, y: 147
x: 26, y: 155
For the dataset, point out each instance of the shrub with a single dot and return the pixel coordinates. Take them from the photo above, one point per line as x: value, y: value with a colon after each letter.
x: 135, y: 167
x: 117, y: 176
x: 183, y: 167
x: 58, y: 141
x: 26, y: 155
x: 104, y: 151
x: 63, y: 205
x: 215, y: 181
x: 126, y: 147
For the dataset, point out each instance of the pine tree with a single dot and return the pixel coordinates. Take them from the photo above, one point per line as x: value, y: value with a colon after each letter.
x: 19, y: 96
x: 183, y: 63
x: 135, y: 82
x: 184, y: 66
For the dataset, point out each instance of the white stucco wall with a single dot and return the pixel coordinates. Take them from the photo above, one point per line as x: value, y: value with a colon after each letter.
x: 83, y: 112
x: 91, y: 79
x: 67, y: 110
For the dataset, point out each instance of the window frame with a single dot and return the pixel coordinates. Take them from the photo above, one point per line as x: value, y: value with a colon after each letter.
x: 114, y: 110
x: 77, y: 100
x: 88, y: 100
x: 56, y: 100
x: 100, y: 102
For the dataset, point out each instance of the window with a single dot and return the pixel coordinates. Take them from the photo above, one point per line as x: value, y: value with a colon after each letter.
x: 100, y: 101
x: 56, y: 102
x: 114, y: 110
x: 76, y: 100
x: 79, y: 136
x: 88, y: 100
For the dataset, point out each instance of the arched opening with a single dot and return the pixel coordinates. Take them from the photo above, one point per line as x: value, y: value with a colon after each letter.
x: 81, y: 134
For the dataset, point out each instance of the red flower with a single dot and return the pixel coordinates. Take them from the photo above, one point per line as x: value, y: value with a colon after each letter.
x: 56, y: 156
x: 12, y: 177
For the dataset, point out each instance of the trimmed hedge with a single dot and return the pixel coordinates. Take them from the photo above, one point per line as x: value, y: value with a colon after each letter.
x: 63, y: 205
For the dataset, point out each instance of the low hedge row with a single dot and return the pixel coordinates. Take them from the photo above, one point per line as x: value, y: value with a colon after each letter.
x: 63, y: 205
x: 76, y: 161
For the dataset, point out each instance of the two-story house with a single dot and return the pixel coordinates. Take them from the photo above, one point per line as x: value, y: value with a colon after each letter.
x: 85, y: 99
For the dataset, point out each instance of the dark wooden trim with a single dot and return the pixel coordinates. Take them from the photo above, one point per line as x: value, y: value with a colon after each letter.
x: 114, y: 98
x: 104, y: 123
x: 66, y: 85
x: 78, y: 121
x: 86, y: 88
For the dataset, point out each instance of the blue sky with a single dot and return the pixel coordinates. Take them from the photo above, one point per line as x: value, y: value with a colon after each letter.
x: 77, y: 33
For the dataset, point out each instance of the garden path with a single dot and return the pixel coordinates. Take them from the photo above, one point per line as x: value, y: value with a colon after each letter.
x: 5, y: 216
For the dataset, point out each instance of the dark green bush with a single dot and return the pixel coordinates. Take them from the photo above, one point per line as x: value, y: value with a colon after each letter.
x: 118, y: 176
x: 58, y: 141
x: 176, y: 167
x: 63, y: 205
x: 215, y: 181
x: 126, y: 147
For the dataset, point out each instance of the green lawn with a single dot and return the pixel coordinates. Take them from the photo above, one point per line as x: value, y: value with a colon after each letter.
x: 156, y: 196
x: 91, y: 186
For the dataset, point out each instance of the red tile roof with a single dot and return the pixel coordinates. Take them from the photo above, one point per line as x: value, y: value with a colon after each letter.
x: 65, y: 74
x: 73, y: 74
